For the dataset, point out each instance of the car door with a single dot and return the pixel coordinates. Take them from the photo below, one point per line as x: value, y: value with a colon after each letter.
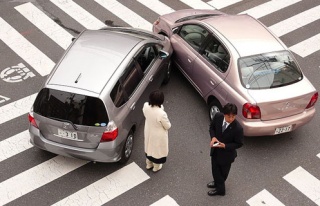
x: 210, y: 68
x: 186, y: 44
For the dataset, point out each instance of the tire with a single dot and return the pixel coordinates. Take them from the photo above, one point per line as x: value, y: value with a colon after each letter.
x: 214, y: 107
x: 127, y: 148
x: 168, y: 73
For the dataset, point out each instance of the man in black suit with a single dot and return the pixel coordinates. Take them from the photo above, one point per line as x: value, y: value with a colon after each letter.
x: 226, y: 136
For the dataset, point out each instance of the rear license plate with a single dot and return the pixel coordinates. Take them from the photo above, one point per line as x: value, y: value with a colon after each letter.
x: 67, y: 134
x: 280, y: 130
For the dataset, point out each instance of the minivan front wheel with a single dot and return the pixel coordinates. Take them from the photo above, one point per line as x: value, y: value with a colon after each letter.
x: 214, y: 108
x: 127, y: 148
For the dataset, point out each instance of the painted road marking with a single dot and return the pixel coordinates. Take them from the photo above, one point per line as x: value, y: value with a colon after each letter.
x: 167, y: 200
x: 125, y: 14
x: 36, y: 177
x: 157, y: 6
x: 296, y: 22
x: 197, y: 4
x: 27, y: 51
x: 269, y: 7
x: 107, y: 188
x: 264, y: 198
x: 307, y: 46
x: 218, y: 4
x: 3, y: 99
x: 14, y: 145
x: 305, y: 183
x: 79, y: 14
x: 45, y: 24
x: 17, y: 108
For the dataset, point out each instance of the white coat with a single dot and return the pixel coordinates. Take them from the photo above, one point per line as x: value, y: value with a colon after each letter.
x: 156, y: 127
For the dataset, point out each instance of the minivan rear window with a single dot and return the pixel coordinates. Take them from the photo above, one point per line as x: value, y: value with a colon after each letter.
x: 270, y: 70
x: 66, y: 106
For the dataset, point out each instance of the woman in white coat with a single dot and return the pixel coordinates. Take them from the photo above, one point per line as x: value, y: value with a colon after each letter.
x: 156, y: 127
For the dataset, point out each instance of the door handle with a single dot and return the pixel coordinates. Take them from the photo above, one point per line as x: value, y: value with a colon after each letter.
x: 189, y: 60
x: 133, y: 106
x: 151, y: 78
x: 212, y: 82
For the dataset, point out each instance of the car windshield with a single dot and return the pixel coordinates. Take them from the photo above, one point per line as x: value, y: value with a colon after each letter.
x: 269, y: 70
x: 69, y: 107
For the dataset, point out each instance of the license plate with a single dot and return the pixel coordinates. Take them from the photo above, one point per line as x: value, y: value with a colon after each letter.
x: 67, y: 134
x: 280, y: 130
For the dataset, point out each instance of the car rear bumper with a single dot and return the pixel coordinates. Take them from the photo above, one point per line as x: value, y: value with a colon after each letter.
x: 103, y: 153
x: 267, y: 128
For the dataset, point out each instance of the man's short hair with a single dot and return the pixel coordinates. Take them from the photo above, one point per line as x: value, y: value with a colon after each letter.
x: 230, y: 108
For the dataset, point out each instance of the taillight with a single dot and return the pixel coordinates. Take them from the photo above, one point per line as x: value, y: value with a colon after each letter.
x: 110, y: 133
x: 32, y: 120
x: 156, y: 22
x: 313, y: 100
x: 251, y: 111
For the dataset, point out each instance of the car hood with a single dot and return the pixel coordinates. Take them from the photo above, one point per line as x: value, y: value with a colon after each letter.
x: 284, y: 101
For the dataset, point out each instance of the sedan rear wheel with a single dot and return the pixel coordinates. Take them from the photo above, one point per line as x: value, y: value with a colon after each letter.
x: 214, y: 108
x: 127, y: 148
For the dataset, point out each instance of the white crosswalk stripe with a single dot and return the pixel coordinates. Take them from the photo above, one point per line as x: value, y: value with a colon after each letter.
x: 125, y: 14
x: 264, y: 198
x: 107, y: 188
x: 218, y: 4
x: 269, y: 7
x: 79, y: 14
x: 45, y: 24
x: 22, y: 47
x: 130, y: 176
x: 157, y: 6
x: 14, y: 145
x: 305, y: 183
x: 36, y: 177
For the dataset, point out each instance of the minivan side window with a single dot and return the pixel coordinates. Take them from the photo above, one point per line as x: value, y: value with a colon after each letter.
x: 216, y: 54
x: 146, y: 57
x: 126, y: 84
x: 194, y: 35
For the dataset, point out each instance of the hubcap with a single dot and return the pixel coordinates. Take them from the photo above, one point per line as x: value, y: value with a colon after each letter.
x: 129, y: 144
x: 213, y: 111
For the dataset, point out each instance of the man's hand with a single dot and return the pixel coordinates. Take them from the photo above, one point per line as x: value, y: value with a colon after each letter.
x: 213, y: 140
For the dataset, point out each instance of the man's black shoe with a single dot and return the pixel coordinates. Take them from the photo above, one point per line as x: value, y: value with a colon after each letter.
x: 211, y: 185
x: 215, y: 192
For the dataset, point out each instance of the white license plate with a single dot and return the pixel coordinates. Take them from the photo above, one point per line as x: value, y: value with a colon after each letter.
x: 67, y: 134
x: 280, y: 130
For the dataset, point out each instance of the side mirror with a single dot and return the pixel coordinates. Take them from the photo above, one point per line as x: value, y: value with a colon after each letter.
x: 175, y: 30
x: 163, y: 54
x: 73, y: 38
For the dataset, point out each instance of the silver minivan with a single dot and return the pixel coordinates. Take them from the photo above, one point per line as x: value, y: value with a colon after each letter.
x: 91, y: 103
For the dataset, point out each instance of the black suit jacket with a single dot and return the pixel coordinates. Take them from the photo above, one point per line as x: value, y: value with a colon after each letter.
x: 232, y: 137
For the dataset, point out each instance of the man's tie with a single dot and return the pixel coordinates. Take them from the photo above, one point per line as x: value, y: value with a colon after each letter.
x: 224, y: 126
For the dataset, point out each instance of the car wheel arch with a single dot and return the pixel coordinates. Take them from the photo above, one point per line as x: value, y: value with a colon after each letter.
x: 214, y: 106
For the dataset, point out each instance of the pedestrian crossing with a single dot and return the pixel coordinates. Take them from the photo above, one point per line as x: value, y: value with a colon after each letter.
x: 128, y: 177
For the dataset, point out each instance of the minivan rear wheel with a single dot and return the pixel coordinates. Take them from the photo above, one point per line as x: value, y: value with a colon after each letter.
x: 127, y: 148
x: 214, y: 108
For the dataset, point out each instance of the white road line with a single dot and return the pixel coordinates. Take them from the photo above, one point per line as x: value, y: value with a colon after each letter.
x: 167, y: 200
x: 295, y: 22
x: 264, y: 198
x: 27, y: 51
x: 14, y: 145
x: 269, y: 7
x: 218, y: 4
x: 318, y: 155
x: 157, y: 6
x: 305, y: 183
x: 36, y: 177
x: 107, y: 188
x: 197, y: 4
x: 45, y: 24
x: 3, y: 99
x: 79, y: 14
x: 307, y: 46
x: 17, y: 108
x: 125, y: 14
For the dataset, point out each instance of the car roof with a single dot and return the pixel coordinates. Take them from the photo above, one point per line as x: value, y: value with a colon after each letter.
x: 93, y: 58
x: 247, y: 35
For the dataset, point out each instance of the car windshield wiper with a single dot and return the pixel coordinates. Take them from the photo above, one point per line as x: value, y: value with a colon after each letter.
x: 63, y: 120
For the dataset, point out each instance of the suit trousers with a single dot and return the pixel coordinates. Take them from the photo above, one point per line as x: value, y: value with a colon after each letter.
x: 220, y: 174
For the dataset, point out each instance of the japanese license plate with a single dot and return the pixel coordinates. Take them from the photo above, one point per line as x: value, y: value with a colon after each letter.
x: 67, y: 134
x: 280, y: 130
